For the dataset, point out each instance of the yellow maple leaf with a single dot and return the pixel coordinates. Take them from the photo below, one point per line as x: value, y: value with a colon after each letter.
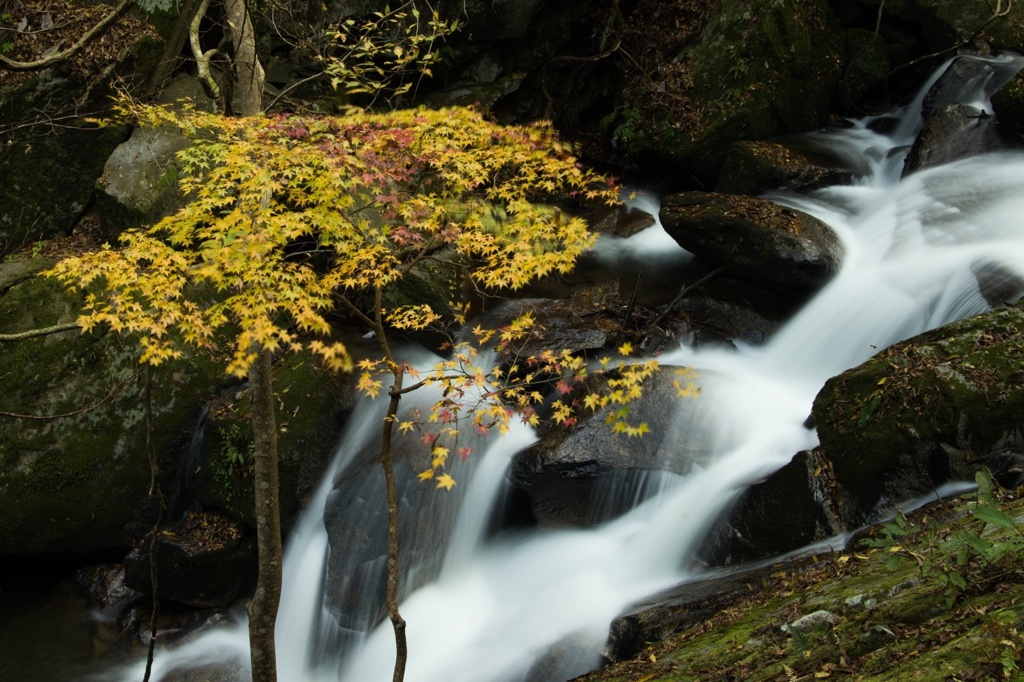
x: 445, y: 481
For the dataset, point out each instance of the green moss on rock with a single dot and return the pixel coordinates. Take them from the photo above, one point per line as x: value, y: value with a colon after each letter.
x: 77, y: 483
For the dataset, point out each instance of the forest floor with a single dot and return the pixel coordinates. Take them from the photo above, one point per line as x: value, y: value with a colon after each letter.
x: 934, y: 595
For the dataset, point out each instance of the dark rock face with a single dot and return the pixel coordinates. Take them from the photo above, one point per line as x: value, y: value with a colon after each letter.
x: 956, y: 131
x: 50, y: 157
x: 755, y: 239
x: 734, y: 309
x: 204, y: 561
x: 755, y: 167
x: 916, y: 415
x: 749, y: 74
x: 80, y: 483
x: 313, y: 405
x: 355, y: 517
x: 792, y: 508
x: 568, y: 472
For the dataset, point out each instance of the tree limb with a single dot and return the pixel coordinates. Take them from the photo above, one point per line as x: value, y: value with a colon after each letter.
x: 33, y: 333
x: 57, y: 57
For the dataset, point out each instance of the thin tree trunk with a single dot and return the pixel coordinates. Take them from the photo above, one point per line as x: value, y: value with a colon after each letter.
x: 263, y: 607
x: 391, y: 590
x: 249, y: 76
x: 387, y: 461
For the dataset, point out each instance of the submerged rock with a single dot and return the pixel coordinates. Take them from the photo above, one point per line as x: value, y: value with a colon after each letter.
x: 957, y: 131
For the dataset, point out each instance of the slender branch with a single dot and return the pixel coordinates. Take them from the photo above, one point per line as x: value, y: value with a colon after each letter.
x: 434, y: 243
x: 358, y: 313
x: 33, y: 333
x: 154, y: 489
x: 682, y: 292
x: 87, y: 37
x: 292, y: 87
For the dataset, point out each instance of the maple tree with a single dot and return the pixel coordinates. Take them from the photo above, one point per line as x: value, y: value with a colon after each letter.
x: 290, y: 216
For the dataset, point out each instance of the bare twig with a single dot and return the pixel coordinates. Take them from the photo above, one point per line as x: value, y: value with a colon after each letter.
x: 77, y: 413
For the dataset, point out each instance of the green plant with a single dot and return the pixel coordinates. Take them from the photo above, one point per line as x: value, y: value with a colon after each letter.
x: 973, y: 555
x: 236, y: 450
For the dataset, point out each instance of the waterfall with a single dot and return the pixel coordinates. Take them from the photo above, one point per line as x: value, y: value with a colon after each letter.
x: 535, y: 605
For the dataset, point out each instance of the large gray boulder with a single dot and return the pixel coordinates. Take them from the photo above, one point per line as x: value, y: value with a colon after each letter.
x: 755, y: 239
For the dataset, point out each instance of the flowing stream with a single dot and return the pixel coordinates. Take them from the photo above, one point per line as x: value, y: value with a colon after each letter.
x: 535, y: 605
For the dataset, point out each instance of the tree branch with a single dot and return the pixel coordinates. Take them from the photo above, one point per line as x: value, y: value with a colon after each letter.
x: 87, y: 37
x: 33, y: 333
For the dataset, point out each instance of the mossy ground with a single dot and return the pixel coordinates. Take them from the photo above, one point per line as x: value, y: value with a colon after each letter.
x: 894, y: 619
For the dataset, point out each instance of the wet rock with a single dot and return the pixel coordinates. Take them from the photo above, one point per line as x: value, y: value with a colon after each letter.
x: 313, y: 404
x: 736, y: 309
x: 621, y: 221
x: 205, y: 561
x: 999, y: 285
x: 355, y: 517
x: 755, y: 239
x: 685, y: 607
x: 570, y: 471
x: 956, y: 131
x: 756, y: 167
x: 794, y: 507
x: 915, y: 416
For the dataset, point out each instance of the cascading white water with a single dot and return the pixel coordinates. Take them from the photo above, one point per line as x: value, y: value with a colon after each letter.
x: 501, y: 604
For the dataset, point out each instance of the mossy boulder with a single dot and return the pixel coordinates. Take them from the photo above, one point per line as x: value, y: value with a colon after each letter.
x: 943, y: 23
x: 77, y: 483
x: 50, y: 156
x: 751, y: 73
x: 312, y: 404
x: 782, y: 248
x: 761, y: 166
x: 914, y: 416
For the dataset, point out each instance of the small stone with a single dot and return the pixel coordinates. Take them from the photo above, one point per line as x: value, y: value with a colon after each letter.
x: 818, y: 620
